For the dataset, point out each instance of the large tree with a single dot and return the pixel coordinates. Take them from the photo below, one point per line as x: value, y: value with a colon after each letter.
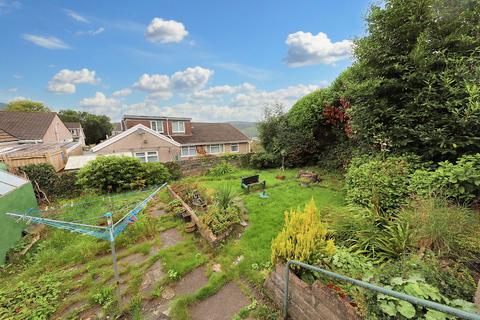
x: 26, y: 105
x: 417, y: 78
x: 96, y: 127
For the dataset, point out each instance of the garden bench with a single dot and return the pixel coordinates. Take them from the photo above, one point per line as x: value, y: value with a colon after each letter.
x: 248, y: 182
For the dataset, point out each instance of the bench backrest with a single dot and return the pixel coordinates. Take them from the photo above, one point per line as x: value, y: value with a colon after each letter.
x: 250, y: 180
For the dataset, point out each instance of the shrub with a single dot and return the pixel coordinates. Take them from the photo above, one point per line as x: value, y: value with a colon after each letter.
x: 380, y: 184
x: 112, y: 174
x: 43, y: 173
x: 224, y: 197
x: 221, y: 169
x: 155, y: 173
x: 65, y: 185
x: 459, y: 181
x: 174, y: 169
x: 304, y: 237
x: 265, y: 160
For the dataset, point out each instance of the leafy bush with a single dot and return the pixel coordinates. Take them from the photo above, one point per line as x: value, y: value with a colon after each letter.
x: 112, y: 174
x: 61, y: 185
x: 380, y: 184
x: 221, y: 169
x: 225, y: 196
x: 265, y: 160
x: 155, y: 173
x: 104, y: 297
x: 174, y: 169
x: 304, y: 237
x: 459, y: 181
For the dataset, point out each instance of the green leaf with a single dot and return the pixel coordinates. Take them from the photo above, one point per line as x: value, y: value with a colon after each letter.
x: 406, y: 309
x: 435, y: 315
x: 389, y: 308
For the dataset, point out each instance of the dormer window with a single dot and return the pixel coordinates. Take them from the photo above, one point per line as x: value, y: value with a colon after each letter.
x: 178, y: 127
x: 157, y: 125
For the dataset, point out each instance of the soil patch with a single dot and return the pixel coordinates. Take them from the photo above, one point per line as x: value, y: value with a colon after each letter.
x: 158, y: 213
x: 69, y: 309
x: 92, y: 313
x: 221, y: 306
x: 170, y: 238
x: 153, y: 274
x: 191, y: 282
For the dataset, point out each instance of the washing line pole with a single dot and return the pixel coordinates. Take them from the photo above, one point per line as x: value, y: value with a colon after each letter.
x: 114, y: 257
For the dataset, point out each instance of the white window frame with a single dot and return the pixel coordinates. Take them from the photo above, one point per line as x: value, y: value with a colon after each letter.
x: 236, y: 145
x: 175, y: 130
x: 221, y: 148
x: 146, y: 155
x: 157, y: 123
x: 189, y: 151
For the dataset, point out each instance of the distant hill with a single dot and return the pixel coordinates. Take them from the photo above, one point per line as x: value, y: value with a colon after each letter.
x: 248, y: 128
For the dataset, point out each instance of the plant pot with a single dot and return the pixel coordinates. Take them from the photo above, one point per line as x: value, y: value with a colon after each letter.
x: 190, y: 227
x: 304, y: 184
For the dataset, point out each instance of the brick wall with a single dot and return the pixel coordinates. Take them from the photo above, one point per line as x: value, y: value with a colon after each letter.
x: 307, y: 302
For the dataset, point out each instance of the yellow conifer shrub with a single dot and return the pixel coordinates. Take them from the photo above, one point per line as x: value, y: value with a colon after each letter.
x: 304, y: 237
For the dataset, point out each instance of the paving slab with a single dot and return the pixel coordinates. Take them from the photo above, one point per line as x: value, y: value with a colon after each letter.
x: 153, y: 275
x: 170, y: 238
x: 158, y: 213
x: 221, y: 306
x: 191, y: 282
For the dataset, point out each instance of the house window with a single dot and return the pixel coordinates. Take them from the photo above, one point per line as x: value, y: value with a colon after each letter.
x: 190, y: 151
x: 149, y: 156
x: 215, y: 148
x: 178, y: 127
x: 74, y: 132
x: 157, y: 126
x: 234, y: 147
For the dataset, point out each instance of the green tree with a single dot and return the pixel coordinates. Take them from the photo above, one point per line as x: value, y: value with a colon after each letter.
x: 416, y: 80
x: 96, y: 127
x: 26, y: 105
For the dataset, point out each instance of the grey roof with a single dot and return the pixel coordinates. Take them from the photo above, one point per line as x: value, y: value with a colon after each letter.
x: 154, y: 117
x: 26, y: 125
x: 9, y: 182
x: 211, y: 133
x: 73, y: 125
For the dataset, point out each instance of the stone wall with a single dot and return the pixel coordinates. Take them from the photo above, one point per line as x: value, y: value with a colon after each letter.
x: 201, y: 165
x: 307, y: 302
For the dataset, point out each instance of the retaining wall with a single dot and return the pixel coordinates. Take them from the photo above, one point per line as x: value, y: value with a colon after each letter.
x: 307, y: 302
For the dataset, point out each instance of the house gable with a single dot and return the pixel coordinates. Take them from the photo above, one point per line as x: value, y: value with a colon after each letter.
x: 57, y: 132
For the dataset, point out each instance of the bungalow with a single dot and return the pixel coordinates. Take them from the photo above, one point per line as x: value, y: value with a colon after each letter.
x: 164, y: 139
x: 76, y: 130
x: 35, y: 137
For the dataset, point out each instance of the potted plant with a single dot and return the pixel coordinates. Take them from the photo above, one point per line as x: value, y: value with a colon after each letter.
x: 304, y: 182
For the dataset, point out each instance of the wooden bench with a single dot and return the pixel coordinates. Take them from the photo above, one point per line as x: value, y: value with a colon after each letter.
x: 248, y: 182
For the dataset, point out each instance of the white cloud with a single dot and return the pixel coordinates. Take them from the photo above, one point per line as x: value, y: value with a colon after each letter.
x: 246, y: 71
x: 191, y: 78
x: 46, y: 42
x: 12, y: 89
x: 304, y: 48
x: 165, y: 31
x: 122, y: 93
x: 100, y: 104
x: 93, y: 32
x: 157, y: 85
x: 19, y: 98
x: 65, y: 80
x: 77, y: 17
x: 218, y: 91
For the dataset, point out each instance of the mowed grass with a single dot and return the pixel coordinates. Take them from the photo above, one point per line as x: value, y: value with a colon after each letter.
x: 266, y: 216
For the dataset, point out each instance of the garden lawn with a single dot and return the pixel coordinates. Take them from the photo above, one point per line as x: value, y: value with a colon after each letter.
x: 266, y: 216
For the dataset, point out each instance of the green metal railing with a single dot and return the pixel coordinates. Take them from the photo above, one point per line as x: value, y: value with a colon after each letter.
x: 422, y: 302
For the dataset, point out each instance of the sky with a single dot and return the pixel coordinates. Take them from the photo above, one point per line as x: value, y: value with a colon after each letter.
x: 207, y: 60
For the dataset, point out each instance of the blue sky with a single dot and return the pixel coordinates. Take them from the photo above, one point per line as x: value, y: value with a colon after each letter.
x: 209, y: 60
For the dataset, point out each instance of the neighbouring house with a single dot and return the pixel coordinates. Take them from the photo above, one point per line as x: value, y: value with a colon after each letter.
x: 76, y: 130
x: 164, y: 139
x: 35, y: 137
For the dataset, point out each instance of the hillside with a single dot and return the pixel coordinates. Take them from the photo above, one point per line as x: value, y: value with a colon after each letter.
x: 248, y: 128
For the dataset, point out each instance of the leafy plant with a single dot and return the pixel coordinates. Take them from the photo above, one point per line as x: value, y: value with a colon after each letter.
x: 155, y: 173
x: 265, y: 160
x: 221, y: 220
x: 225, y: 196
x: 111, y: 173
x: 459, y: 181
x: 173, y: 274
x: 221, y: 169
x: 380, y: 184
x: 304, y: 237
x: 104, y: 297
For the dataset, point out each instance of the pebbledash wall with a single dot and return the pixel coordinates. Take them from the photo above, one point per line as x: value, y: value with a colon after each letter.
x: 202, y: 164
x: 307, y: 302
